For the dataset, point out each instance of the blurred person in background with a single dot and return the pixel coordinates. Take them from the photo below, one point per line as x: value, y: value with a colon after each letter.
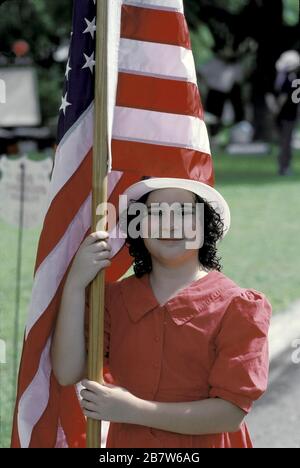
x: 284, y: 107
x: 224, y: 80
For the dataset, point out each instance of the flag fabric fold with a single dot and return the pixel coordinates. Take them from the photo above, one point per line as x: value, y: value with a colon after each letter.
x: 156, y: 128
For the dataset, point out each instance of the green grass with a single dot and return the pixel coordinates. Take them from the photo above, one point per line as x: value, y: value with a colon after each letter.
x: 261, y: 250
x: 8, y: 261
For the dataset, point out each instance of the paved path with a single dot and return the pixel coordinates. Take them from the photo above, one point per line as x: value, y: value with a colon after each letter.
x: 274, y: 422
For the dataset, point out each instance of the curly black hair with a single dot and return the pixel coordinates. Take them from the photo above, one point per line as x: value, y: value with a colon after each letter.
x: 213, y: 231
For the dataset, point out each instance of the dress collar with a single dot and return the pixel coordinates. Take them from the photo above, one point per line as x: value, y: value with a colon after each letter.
x: 139, y: 298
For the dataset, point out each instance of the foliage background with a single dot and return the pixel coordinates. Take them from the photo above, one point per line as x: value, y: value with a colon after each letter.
x: 230, y: 28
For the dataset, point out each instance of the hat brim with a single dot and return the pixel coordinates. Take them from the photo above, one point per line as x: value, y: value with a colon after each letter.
x: 208, y: 193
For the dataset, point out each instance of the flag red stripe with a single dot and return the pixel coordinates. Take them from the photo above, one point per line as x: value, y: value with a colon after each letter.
x: 64, y: 208
x: 164, y: 161
x: 157, y: 94
x: 74, y: 427
x: 36, y: 341
x: 32, y: 350
x: 124, y: 182
x: 151, y: 25
x: 44, y: 433
x: 63, y: 404
x: 73, y: 195
x: 122, y: 261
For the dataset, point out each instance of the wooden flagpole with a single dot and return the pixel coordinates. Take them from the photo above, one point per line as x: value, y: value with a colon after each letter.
x: 100, y: 158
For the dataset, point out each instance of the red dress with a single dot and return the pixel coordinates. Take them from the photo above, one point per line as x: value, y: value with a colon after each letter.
x: 208, y: 341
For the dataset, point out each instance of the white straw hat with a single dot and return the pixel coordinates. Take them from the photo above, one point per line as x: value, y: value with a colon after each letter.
x: 205, y: 191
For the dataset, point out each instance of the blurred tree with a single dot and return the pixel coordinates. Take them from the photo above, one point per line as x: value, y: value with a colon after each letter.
x: 45, y: 25
x: 227, y: 28
x: 264, y: 28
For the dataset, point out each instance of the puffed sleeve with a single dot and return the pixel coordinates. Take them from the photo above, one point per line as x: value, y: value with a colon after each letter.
x: 107, y: 321
x: 240, y: 371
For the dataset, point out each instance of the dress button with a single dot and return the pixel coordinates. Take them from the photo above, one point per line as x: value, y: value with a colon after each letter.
x: 156, y: 366
x: 157, y: 338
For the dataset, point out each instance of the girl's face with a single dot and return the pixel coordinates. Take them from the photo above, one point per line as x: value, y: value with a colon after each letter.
x: 168, y: 233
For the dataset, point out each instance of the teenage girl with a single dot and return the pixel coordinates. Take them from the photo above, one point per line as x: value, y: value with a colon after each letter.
x: 186, y: 347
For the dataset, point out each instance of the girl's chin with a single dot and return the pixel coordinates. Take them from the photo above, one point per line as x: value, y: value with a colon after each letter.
x: 168, y: 244
x: 170, y: 250
x: 166, y: 248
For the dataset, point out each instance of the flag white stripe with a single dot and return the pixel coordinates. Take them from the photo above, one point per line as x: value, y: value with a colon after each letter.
x: 51, y: 271
x: 172, y: 5
x: 61, y: 440
x: 151, y: 59
x: 71, y: 152
x: 34, y: 400
x: 160, y: 128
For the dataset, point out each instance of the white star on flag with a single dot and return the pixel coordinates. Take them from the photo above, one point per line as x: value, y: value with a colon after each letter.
x: 91, y: 27
x: 90, y: 62
x: 68, y: 69
x: 64, y: 103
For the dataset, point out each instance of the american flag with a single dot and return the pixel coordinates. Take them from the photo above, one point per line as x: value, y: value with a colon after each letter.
x: 157, y: 130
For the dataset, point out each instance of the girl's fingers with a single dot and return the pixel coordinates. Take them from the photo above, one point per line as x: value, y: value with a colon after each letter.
x: 96, y: 236
x: 102, y: 256
x: 89, y: 405
x: 90, y: 385
x: 104, y: 263
x: 100, y: 246
x: 91, y: 414
x: 88, y: 395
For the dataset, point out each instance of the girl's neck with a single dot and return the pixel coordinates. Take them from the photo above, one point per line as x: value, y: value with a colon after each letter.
x: 167, y: 282
x: 172, y: 277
